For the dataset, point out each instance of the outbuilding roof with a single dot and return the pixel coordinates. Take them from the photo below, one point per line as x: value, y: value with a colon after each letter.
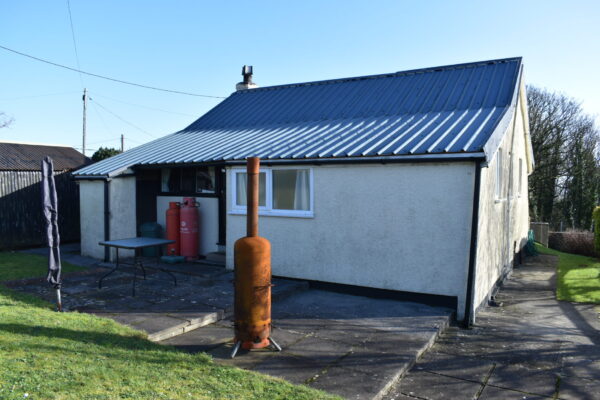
x: 449, y: 110
x: 28, y: 157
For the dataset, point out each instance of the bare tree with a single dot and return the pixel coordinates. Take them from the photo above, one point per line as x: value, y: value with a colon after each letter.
x: 564, y: 186
x: 4, y: 120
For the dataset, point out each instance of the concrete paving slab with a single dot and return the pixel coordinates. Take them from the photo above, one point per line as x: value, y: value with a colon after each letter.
x: 298, y: 370
x: 201, y: 340
x: 349, y: 384
x: 468, y: 368
x: 518, y: 377
x: 572, y: 388
x: 321, y: 351
x: 494, y: 393
x: 426, y: 385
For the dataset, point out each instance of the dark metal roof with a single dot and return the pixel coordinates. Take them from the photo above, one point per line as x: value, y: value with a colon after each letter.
x: 28, y: 157
x: 443, y: 110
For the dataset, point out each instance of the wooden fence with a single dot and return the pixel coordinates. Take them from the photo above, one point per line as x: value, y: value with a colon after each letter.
x: 21, y: 219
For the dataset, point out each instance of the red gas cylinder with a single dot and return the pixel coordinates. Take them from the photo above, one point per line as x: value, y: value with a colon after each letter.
x: 188, y: 230
x: 173, y: 228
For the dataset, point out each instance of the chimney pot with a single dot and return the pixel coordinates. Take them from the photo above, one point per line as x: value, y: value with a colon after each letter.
x: 247, y: 82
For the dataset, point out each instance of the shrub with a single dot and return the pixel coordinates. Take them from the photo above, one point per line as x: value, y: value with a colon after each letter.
x: 596, y: 218
x: 573, y: 242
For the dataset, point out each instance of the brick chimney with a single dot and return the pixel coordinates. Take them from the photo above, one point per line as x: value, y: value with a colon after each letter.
x: 247, y: 82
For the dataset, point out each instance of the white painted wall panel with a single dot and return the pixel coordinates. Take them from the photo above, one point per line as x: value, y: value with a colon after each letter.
x: 122, y: 215
x: 122, y: 212
x: 91, y: 206
x: 396, y: 226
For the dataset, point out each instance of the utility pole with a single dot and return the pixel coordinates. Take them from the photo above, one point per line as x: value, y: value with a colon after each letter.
x: 122, y: 143
x: 84, y: 112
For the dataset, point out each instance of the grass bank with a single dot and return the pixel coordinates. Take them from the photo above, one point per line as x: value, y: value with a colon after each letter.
x: 578, y: 277
x: 49, y: 355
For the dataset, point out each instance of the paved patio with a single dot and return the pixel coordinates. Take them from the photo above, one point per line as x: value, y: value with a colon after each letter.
x: 529, y: 347
x: 353, y: 346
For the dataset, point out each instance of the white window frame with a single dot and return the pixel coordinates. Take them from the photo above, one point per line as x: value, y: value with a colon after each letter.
x: 267, y: 209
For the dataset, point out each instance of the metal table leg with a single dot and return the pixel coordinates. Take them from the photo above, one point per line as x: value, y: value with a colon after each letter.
x: 111, y: 271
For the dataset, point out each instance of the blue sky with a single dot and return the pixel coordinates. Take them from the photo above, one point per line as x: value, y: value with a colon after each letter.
x: 200, y: 47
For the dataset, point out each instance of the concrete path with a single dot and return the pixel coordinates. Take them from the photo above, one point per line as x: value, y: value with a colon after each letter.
x: 353, y: 346
x: 530, y: 347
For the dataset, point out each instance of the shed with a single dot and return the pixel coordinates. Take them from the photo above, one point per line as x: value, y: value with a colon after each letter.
x: 411, y: 183
x: 21, y: 220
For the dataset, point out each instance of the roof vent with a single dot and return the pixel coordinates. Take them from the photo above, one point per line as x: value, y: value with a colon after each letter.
x: 247, y: 82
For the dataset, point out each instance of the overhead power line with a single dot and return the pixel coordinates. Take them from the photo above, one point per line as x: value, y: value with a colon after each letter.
x: 108, y: 78
x: 74, y: 42
x: 123, y: 119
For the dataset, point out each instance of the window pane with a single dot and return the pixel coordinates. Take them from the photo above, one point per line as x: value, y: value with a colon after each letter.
x: 291, y: 189
x: 188, y: 180
x: 241, y: 181
x: 205, y: 179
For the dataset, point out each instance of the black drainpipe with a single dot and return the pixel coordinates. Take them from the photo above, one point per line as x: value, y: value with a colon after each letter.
x: 106, y: 219
x: 473, y: 252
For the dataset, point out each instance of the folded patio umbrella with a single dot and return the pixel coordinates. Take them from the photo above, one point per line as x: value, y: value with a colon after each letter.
x: 50, y: 211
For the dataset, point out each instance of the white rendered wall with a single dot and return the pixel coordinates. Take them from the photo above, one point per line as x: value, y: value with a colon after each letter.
x: 503, y: 221
x: 91, y: 206
x: 395, y: 226
x: 209, y: 220
x: 122, y: 214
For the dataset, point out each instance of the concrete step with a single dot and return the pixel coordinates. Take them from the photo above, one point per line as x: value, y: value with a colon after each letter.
x: 160, y: 328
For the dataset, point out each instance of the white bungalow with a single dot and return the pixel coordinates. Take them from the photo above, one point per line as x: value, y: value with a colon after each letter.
x: 410, y: 184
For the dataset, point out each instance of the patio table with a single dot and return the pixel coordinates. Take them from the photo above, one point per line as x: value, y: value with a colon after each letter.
x: 136, y: 244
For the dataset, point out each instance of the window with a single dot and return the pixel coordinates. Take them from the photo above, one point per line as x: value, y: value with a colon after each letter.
x: 205, y: 180
x: 499, y: 175
x: 282, y: 191
x: 188, y: 180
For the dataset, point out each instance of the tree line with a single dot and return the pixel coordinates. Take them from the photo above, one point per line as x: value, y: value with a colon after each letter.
x: 565, y: 185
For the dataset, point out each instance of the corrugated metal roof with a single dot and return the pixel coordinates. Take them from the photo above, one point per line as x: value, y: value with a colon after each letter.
x: 442, y: 110
x: 27, y: 157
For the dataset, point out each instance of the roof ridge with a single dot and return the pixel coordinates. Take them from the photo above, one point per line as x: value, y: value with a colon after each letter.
x: 35, y: 144
x: 384, y: 75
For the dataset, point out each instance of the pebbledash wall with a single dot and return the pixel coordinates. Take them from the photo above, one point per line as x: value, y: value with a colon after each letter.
x: 503, y: 218
x: 122, y: 214
x: 393, y: 226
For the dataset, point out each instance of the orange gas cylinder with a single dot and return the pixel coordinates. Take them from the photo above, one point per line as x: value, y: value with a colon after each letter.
x: 173, y: 228
x: 252, y: 283
x: 188, y: 231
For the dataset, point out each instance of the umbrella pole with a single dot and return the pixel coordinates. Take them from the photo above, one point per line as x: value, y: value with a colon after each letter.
x: 58, y: 301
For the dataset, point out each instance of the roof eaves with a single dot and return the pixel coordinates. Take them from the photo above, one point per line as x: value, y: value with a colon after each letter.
x: 493, y: 143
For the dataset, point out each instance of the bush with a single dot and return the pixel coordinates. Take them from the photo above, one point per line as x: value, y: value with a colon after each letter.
x: 573, y: 242
x: 596, y: 218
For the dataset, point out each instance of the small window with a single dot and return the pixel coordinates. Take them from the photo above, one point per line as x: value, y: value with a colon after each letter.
x: 499, y: 173
x: 282, y: 191
x: 188, y: 180
x: 205, y: 180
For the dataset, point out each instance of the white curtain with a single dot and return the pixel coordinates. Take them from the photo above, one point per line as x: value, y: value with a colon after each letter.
x: 302, y: 193
x: 241, y: 179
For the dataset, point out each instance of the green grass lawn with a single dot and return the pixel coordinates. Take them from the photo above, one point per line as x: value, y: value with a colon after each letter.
x: 50, y: 355
x: 22, y: 265
x: 578, y: 276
